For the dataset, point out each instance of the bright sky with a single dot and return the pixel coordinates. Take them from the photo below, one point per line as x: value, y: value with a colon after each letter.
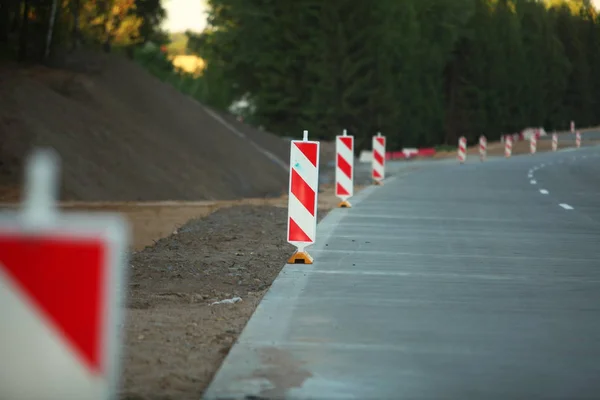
x: 189, y: 14
x: 185, y: 15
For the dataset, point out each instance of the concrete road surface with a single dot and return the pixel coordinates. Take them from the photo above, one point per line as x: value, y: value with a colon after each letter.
x: 479, y: 281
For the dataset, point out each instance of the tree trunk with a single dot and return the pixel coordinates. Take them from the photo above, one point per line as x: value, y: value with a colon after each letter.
x: 106, y: 46
x: 13, y: 10
x: 24, y: 32
x: 76, y: 32
x: 451, y: 111
x: 5, y: 20
x: 50, y: 29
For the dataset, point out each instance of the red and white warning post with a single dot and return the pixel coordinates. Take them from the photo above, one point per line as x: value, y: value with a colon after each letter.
x: 344, y: 168
x: 61, y: 282
x: 303, y: 198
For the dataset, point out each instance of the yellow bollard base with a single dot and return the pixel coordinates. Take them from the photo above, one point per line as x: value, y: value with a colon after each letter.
x: 345, y: 204
x: 300, y: 257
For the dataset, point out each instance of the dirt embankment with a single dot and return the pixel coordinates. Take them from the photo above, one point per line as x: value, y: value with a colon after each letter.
x: 123, y: 135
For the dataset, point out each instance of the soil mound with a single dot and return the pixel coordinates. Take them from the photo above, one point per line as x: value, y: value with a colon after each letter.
x: 124, y: 135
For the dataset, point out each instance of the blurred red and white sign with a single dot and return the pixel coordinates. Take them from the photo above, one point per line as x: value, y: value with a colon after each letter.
x: 61, y: 280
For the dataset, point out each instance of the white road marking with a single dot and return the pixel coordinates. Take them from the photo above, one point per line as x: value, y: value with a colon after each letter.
x: 436, y: 274
x: 543, y: 191
x: 566, y: 206
x: 412, y: 216
x: 396, y: 254
x: 533, y: 182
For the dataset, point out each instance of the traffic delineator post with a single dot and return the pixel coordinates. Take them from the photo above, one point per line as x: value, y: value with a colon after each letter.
x: 303, y: 198
x: 344, y: 168
x: 378, y: 163
x: 508, y: 146
x: 532, y: 144
x: 577, y: 139
x: 554, y: 141
x: 482, y: 148
x: 62, y: 277
x: 462, y: 149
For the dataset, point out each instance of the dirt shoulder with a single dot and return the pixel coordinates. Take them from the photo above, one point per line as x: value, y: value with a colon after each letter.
x: 175, y: 339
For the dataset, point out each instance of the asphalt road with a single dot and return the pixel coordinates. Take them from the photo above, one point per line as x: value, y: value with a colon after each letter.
x: 475, y: 281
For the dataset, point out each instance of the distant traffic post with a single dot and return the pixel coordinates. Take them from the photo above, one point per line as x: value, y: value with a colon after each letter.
x: 578, y: 139
x: 533, y: 144
x: 378, y: 166
x: 554, y: 141
x: 61, y: 289
x: 462, y: 149
x: 508, y: 146
x: 344, y: 168
x: 482, y: 148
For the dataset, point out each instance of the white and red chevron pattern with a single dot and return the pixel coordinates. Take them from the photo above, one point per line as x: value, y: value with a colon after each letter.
x: 46, y: 339
x: 378, y: 166
x: 508, y: 146
x: 533, y: 144
x: 344, y: 168
x: 482, y: 148
x: 303, y: 197
x: 462, y: 149
x: 577, y: 139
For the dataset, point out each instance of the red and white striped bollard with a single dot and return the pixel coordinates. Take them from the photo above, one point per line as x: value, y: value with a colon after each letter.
x: 462, y: 149
x: 554, y: 142
x: 482, y: 148
x: 378, y: 166
x: 533, y: 144
x: 344, y: 168
x: 508, y: 146
x: 577, y: 139
x: 303, y: 198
